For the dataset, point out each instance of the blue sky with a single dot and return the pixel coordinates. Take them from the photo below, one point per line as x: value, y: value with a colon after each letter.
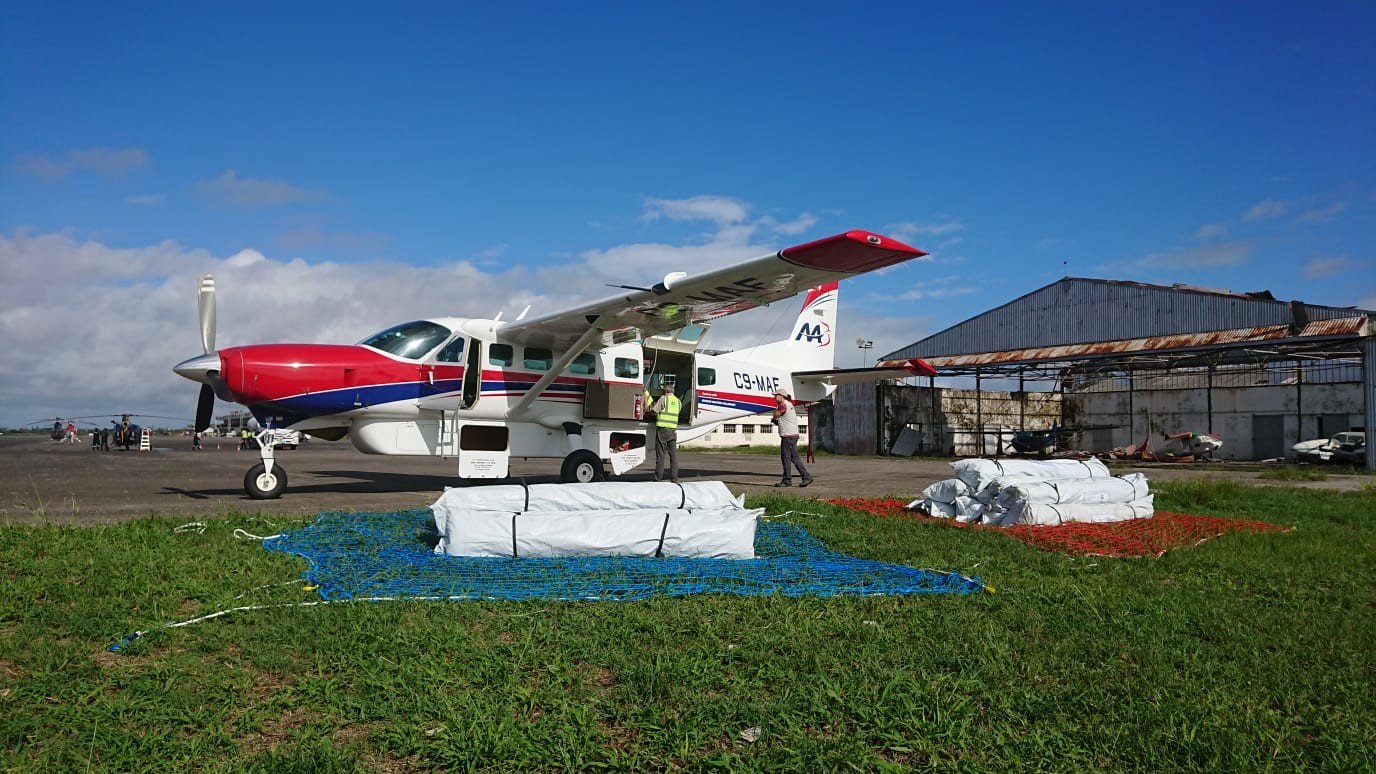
x: 341, y: 167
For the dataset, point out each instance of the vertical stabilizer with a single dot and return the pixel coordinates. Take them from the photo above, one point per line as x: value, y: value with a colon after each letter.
x: 811, y: 343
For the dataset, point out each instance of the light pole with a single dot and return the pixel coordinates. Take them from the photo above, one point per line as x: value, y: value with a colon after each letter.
x: 864, y: 345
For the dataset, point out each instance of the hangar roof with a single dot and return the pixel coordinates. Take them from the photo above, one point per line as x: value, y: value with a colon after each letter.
x: 1077, y: 318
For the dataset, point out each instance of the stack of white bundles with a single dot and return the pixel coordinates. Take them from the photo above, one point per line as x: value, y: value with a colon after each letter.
x: 700, y: 519
x: 978, y: 474
x: 1009, y: 492
x: 1051, y: 514
x: 594, y: 496
x: 1114, y: 489
x: 716, y: 533
x: 1076, y: 499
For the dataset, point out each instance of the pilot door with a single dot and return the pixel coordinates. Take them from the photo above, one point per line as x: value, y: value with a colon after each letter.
x: 472, y: 376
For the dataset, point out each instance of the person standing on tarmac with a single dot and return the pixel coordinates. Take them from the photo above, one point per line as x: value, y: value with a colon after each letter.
x: 787, y: 420
x: 666, y: 411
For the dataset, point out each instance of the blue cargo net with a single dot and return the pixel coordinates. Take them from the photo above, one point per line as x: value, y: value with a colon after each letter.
x: 388, y: 556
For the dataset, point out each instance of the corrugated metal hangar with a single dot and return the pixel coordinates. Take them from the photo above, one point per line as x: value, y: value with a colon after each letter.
x: 1121, y: 363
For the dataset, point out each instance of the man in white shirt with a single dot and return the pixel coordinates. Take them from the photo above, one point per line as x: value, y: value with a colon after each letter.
x: 787, y: 420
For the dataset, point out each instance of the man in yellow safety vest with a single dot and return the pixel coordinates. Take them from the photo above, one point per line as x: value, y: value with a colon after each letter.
x: 666, y: 411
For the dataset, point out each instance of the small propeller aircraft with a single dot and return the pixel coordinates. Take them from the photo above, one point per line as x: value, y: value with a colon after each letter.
x: 569, y: 385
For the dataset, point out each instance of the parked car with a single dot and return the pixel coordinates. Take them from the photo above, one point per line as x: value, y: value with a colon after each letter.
x: 1347, y: 448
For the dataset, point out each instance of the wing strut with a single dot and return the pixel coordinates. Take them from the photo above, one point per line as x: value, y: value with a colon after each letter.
x: 576, y: 349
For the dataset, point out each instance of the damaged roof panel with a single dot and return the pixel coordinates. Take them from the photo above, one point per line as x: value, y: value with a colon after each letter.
x: 1346, y: 327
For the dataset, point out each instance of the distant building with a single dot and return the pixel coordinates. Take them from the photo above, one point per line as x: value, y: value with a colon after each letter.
x: 755, y: 430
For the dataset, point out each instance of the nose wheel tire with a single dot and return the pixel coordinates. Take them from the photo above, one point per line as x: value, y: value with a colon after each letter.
x: 581, y: 467
x: 262, y: 485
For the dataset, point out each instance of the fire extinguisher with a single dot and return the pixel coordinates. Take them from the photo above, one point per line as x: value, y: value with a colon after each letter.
x: 639, y: 407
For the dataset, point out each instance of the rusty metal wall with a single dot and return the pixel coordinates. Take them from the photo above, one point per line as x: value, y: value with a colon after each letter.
x: 854, y: 413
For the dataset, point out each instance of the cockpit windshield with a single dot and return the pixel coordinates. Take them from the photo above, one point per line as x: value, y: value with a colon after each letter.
x: 410, y: 340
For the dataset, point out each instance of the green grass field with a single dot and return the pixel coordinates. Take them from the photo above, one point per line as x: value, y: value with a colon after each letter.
x: 1245, y: 653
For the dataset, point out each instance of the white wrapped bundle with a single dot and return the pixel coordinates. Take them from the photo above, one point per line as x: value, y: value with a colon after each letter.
x: 595, y: 496
x: 946, y: 490
x: 718, y: 533
x: 978, y: 473
x: 971, y: 511
x: 933, y: 507
x: 1115, y: 489
x: 966, y: 510
x: 1052, y: 514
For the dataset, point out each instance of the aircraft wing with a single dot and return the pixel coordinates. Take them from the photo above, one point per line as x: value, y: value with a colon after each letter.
x: 888, y: 369
x: 686, y: 299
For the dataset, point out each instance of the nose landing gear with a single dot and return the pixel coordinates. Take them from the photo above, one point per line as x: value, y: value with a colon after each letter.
x: 266, y: 480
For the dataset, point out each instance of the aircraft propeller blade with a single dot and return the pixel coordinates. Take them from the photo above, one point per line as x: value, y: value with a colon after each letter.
x: 204, y: 407
x: 205, y: 302
x: 220, y: 386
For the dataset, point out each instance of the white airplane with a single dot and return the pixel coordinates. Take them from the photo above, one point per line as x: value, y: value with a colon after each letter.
x: 568, y: 385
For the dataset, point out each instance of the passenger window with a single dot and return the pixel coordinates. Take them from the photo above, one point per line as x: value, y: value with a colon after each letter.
x: 707, y: 377
x: 538, y: 358
x: 585, y: 363
x: 452, y: 352
x: 503, y: 355
x: 627, y: 368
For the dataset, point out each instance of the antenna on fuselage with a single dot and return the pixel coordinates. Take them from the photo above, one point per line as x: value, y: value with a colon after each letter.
x: 522, y: 315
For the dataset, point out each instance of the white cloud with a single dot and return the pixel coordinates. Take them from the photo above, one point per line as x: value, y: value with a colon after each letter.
x: 1323, y: 214
x: 103, y: 161
x: 798, y: 225
x: 732, y: 238
x: 936, y: 289
x: 90, y: 328
x: 87, y: 328
x: 1203, y: 256
x: 721, y: 210
x: 1267, y: 209
x: 1211, y: 232
x: 908, y: 230
x: 1318, y: 268
x: 353, y: 242
x: 231, y: 189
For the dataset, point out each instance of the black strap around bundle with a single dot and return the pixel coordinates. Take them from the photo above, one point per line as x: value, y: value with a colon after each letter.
x: 659, y: 552
x: 513, y: 534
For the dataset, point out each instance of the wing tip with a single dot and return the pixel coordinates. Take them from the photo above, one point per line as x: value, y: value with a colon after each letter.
x: 851, y: 252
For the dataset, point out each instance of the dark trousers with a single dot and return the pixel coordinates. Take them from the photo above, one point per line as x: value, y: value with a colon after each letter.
x: 666, y: 445
x: 788, y: 455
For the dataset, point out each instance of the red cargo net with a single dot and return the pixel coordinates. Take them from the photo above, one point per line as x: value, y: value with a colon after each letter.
x: 1135, y: 537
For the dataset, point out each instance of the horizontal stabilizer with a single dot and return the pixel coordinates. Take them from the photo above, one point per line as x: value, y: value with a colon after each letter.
x: 888, y: 369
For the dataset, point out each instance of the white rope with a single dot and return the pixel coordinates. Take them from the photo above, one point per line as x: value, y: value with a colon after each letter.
x: 792, y: 513
x: 245, y: 535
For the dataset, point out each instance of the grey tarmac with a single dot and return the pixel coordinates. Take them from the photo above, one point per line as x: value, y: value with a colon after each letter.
x: 45, y: 482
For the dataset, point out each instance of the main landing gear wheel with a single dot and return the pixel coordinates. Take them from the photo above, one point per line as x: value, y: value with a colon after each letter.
x: 262, y: 485
x: 581, y: 467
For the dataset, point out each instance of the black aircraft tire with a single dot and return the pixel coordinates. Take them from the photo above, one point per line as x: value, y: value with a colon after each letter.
x: 261, y: 486
x: 581, y: 467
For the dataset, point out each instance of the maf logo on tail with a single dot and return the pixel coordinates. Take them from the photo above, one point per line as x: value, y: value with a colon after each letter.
x: 819, y: 334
